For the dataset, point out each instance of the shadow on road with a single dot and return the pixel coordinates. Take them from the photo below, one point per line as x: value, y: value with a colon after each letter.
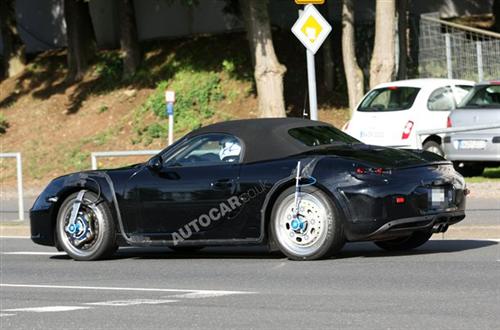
x: 368, y: 250
x: 353, y: 250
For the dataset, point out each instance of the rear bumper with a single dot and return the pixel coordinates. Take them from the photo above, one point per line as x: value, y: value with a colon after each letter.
x: 402, y: 227
x: 490, y: 152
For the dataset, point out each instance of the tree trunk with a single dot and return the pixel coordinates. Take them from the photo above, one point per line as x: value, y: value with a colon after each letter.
x: 496, y: 14
x: 328, y: 65
x: 13, y: 47
x: 403, y: 39
x: 268, y: 71
x: 80, y: 37
x: 353, y: 73
x: 382, y: 62
x: 129, y: 43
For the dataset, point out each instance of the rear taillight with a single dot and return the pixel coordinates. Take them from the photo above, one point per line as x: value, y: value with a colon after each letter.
x: 407, y: 130
x: 369, y: 171
x: 448, y: 122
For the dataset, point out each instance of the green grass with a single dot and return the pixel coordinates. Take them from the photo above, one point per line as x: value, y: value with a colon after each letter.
x: 491, y: 174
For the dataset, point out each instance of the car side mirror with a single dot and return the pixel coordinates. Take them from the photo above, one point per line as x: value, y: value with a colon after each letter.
x: 155, y: 163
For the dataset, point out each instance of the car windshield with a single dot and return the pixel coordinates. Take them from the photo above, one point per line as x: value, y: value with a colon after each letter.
x: 482, y: 96
x: 389, y: 99
x: 313, y: 136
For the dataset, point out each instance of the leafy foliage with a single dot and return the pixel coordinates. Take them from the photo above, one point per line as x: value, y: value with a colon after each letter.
x: 197, y: 92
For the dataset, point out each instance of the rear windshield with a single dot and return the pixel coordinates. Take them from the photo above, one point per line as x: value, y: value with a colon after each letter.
x: 482, y: 97
x: 313, y: 136
x: 389, y: 99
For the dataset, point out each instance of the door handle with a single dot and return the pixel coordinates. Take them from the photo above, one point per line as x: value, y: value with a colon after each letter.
x: 222, y: 184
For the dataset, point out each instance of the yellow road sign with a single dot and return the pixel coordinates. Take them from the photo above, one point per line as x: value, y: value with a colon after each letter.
x: 307, y: 2
x: 311, y: 28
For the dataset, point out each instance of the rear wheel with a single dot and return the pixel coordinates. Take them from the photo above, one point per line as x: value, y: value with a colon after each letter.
x: 433, y: 146
x: 415, y: 240
x: 92, y: 235
x: 314, y: 232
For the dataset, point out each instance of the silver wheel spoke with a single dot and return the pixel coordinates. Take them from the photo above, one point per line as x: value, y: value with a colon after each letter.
x: 302, y: 232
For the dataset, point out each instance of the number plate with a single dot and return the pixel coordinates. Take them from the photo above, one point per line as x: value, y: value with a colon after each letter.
x: 472, y: 144
x: 437, y: 195
x: 371, y: 134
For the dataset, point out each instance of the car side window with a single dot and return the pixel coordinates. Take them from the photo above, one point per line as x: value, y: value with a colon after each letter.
x: 210, y: 149
x: 441, y: 99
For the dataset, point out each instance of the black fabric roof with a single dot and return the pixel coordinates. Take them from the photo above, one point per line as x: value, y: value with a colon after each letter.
x: 265, y: 138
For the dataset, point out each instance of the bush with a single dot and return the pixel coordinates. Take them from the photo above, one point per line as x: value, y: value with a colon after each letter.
x: 196, y: 94
x: 4, y: 124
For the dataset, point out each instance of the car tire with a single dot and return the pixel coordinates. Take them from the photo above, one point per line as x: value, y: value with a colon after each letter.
x: 433, y: 146
x: 469, y: 170
x: 321, y: 235
x: 93, y: 236
x: 413, y: 241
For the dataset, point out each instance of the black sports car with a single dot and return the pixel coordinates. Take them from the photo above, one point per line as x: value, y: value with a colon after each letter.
x: 301, y: 186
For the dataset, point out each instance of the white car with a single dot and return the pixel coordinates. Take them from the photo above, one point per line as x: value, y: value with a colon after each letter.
x: 391, y: 114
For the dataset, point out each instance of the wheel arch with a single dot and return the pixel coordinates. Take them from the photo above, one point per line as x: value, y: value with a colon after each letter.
x: 68, y: 191
x: 434, y: 137
x: 273, y: 195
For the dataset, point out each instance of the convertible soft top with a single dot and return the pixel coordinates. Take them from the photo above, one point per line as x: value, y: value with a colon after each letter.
x: 264, y: 138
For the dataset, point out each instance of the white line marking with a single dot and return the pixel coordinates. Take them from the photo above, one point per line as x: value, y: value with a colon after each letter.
x: 465, y: 239
x: 47, y: 309
x: 112, y: 288
x: 199, y: 294
x: 15, y: 237
x: 31, y: 253
x: 6, y: 314
x: 132, y: 302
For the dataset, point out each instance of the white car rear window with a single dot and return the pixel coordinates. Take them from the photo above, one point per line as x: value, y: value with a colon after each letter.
x: 389, y: 99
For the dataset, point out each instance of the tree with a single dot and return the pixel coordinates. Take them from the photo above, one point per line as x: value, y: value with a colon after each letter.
x: 129, y: 43
x: 328, y: 65
x: 80, y: 37
x: 496, y: 14
x: 382, y: 62
x: 403, y: 39
x: 353, y: 73
x: 268, y: 71
x: 13, y: 47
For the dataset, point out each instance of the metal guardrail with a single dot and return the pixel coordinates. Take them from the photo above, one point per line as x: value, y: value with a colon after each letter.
x: 128, y: 153
x: 19, y: 170
x: 455, y: 130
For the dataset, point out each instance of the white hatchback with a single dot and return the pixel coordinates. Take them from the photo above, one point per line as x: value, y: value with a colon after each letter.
x: 391, y: 114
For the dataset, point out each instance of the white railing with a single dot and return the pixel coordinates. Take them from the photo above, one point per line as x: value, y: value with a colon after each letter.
x: 455, y: 130
x: 128, y: 153
x: 19, y: 168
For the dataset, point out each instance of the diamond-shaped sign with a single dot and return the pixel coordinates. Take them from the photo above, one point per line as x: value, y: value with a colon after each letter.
x: 311, y: 28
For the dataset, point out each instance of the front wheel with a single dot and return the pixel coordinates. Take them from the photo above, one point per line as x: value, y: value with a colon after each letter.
x: 413, y: 241
x: 92, y: 235
x: 314, y: 232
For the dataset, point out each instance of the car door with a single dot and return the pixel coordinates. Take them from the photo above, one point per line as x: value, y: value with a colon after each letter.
x: 199, y: 176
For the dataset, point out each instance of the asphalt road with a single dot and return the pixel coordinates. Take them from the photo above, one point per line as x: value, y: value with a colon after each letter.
x: 445, y: 284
